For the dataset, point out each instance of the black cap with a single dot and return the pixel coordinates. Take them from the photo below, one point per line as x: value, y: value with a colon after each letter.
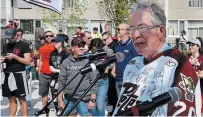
x: 10, y: 33
x: 76, y: 41
x: 58, y: 39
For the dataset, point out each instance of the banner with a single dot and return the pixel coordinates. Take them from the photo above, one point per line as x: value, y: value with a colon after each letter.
x: 55, y: 5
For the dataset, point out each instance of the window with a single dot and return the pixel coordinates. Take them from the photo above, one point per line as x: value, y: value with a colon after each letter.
x: 27, y: 26
x: 195, y: 3
x: 3, y: 3
x: 181, y: 26
x: 173, y: 28
x: 37, y: 24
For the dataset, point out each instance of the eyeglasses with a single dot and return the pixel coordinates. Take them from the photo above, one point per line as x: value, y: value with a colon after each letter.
x: 105, y: 39
x: 49, y: 36
x: 118, y: 29
x: 192, y: 44
x: 142, y: 29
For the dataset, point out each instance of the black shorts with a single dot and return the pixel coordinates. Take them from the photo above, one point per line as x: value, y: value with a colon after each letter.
x: 21, y: 83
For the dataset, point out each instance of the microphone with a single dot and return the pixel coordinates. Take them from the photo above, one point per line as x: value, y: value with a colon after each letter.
x: 118, y: 57
x: 146, y: 108
x: 92, y: 56
x: 105, y: 51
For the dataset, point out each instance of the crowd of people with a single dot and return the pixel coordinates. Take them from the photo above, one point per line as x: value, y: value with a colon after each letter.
x: 150, y: 67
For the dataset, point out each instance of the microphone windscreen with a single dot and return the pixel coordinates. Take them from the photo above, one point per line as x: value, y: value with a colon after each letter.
x: 120, y: 56
x: 108, y: 50
x: 175, y: 93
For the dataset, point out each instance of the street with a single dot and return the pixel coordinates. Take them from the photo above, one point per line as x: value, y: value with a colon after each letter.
x: 36, y: 103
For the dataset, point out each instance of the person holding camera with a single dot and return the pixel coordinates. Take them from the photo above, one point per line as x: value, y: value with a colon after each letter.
x: 69, y: 68
x: 14, y: 85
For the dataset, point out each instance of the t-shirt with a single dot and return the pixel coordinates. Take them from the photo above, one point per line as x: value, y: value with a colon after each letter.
x: 45, y: 52
x: 19, y: 49
x: 56, y: 58
x: 129, y: 51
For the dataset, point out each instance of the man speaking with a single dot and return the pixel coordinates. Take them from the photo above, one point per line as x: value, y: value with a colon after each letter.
x: 159, y: 69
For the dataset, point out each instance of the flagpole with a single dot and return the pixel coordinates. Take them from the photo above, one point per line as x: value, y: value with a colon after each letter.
x: 166, y: 14
x: 8, y: 11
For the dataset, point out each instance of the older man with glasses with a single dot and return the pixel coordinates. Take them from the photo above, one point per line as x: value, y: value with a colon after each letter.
x: 159, y: 69
x: 44, y: 68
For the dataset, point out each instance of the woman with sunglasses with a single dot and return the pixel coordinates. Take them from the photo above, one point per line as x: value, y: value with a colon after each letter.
x: 196, y: 59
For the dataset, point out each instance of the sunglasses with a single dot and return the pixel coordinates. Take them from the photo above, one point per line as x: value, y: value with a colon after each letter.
x: 105, y: 39
x: 118, y: 29
x: 80, y: 45
x: 89, y: 38
x: 49, y: 36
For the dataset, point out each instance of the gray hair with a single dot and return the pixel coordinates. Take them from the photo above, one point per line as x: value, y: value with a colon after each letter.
x: 158, y: 15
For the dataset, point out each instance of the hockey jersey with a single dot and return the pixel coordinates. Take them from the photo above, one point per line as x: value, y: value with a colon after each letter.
x: 144, y: 80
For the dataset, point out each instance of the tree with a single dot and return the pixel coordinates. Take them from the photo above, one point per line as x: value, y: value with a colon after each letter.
x: 117, y: 11
x: 72, y: 14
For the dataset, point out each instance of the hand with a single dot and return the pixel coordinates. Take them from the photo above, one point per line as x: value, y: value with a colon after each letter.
x: 61, y: 104
x: 10, y: 56
x: 113, y: 74
x: 200, y: 74
x: 2, y: 58
x: 91, y: 105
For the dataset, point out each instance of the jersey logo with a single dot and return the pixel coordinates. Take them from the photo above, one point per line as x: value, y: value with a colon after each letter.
x: 188, y: 85
x: 16, y: 51
x: 126, y: 51
x: 171, y: 63
x: 128, y: 98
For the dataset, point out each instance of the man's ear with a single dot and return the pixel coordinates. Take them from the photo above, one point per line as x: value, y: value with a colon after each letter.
x: 162, y: 30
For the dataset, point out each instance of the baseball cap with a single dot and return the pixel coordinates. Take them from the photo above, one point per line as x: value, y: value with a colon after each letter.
x: 195, y: 41
x: 76, y: 41
x: 58, y: 39
x: 10, y: 33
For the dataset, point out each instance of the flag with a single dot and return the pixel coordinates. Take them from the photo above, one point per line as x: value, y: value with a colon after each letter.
x: 100, y: 28
x: 55, y: 5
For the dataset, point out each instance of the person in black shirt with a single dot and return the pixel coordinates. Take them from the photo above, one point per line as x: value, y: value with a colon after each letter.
x: 14, y: 84
x: 112, y: 94
x: 55, y: 61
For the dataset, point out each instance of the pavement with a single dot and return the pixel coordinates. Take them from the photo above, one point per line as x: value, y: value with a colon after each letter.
x: 36, y: 104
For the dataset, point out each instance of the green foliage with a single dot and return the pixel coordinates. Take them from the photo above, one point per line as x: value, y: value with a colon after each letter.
x: 117, y: 11
x: 72, y: 11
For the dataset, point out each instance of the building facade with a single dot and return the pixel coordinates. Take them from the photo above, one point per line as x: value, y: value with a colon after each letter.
x: 31, y: 17
x: 185, y: 15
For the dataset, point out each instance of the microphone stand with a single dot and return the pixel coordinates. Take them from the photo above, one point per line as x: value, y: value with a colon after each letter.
x: 46, y: 106
x: 72, y: 95
x: 100, y: 75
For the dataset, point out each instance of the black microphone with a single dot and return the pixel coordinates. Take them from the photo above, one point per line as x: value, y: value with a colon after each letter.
x: 92, y: 56
x: 101, y: 64
x: 146, y: 108
x: 105, y: 51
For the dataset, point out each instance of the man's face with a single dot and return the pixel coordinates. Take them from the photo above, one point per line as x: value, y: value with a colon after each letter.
x: 77, y: 30
x: 10, y: 23
x: 94, y: 31
x: 78, y: 49
x: 106, y: 39
x: 49, y: 36
x: 122, y: 30
x: 149, y: 39
x: 87, y: 38
x: 42, y: 41
x: 19, y: 35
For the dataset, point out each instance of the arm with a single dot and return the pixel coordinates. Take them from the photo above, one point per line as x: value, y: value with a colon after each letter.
x: 54, y: 70
x: 40, y: 64
x: 62, y: 79
x: 113, y: 72
x: 186, y: 79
